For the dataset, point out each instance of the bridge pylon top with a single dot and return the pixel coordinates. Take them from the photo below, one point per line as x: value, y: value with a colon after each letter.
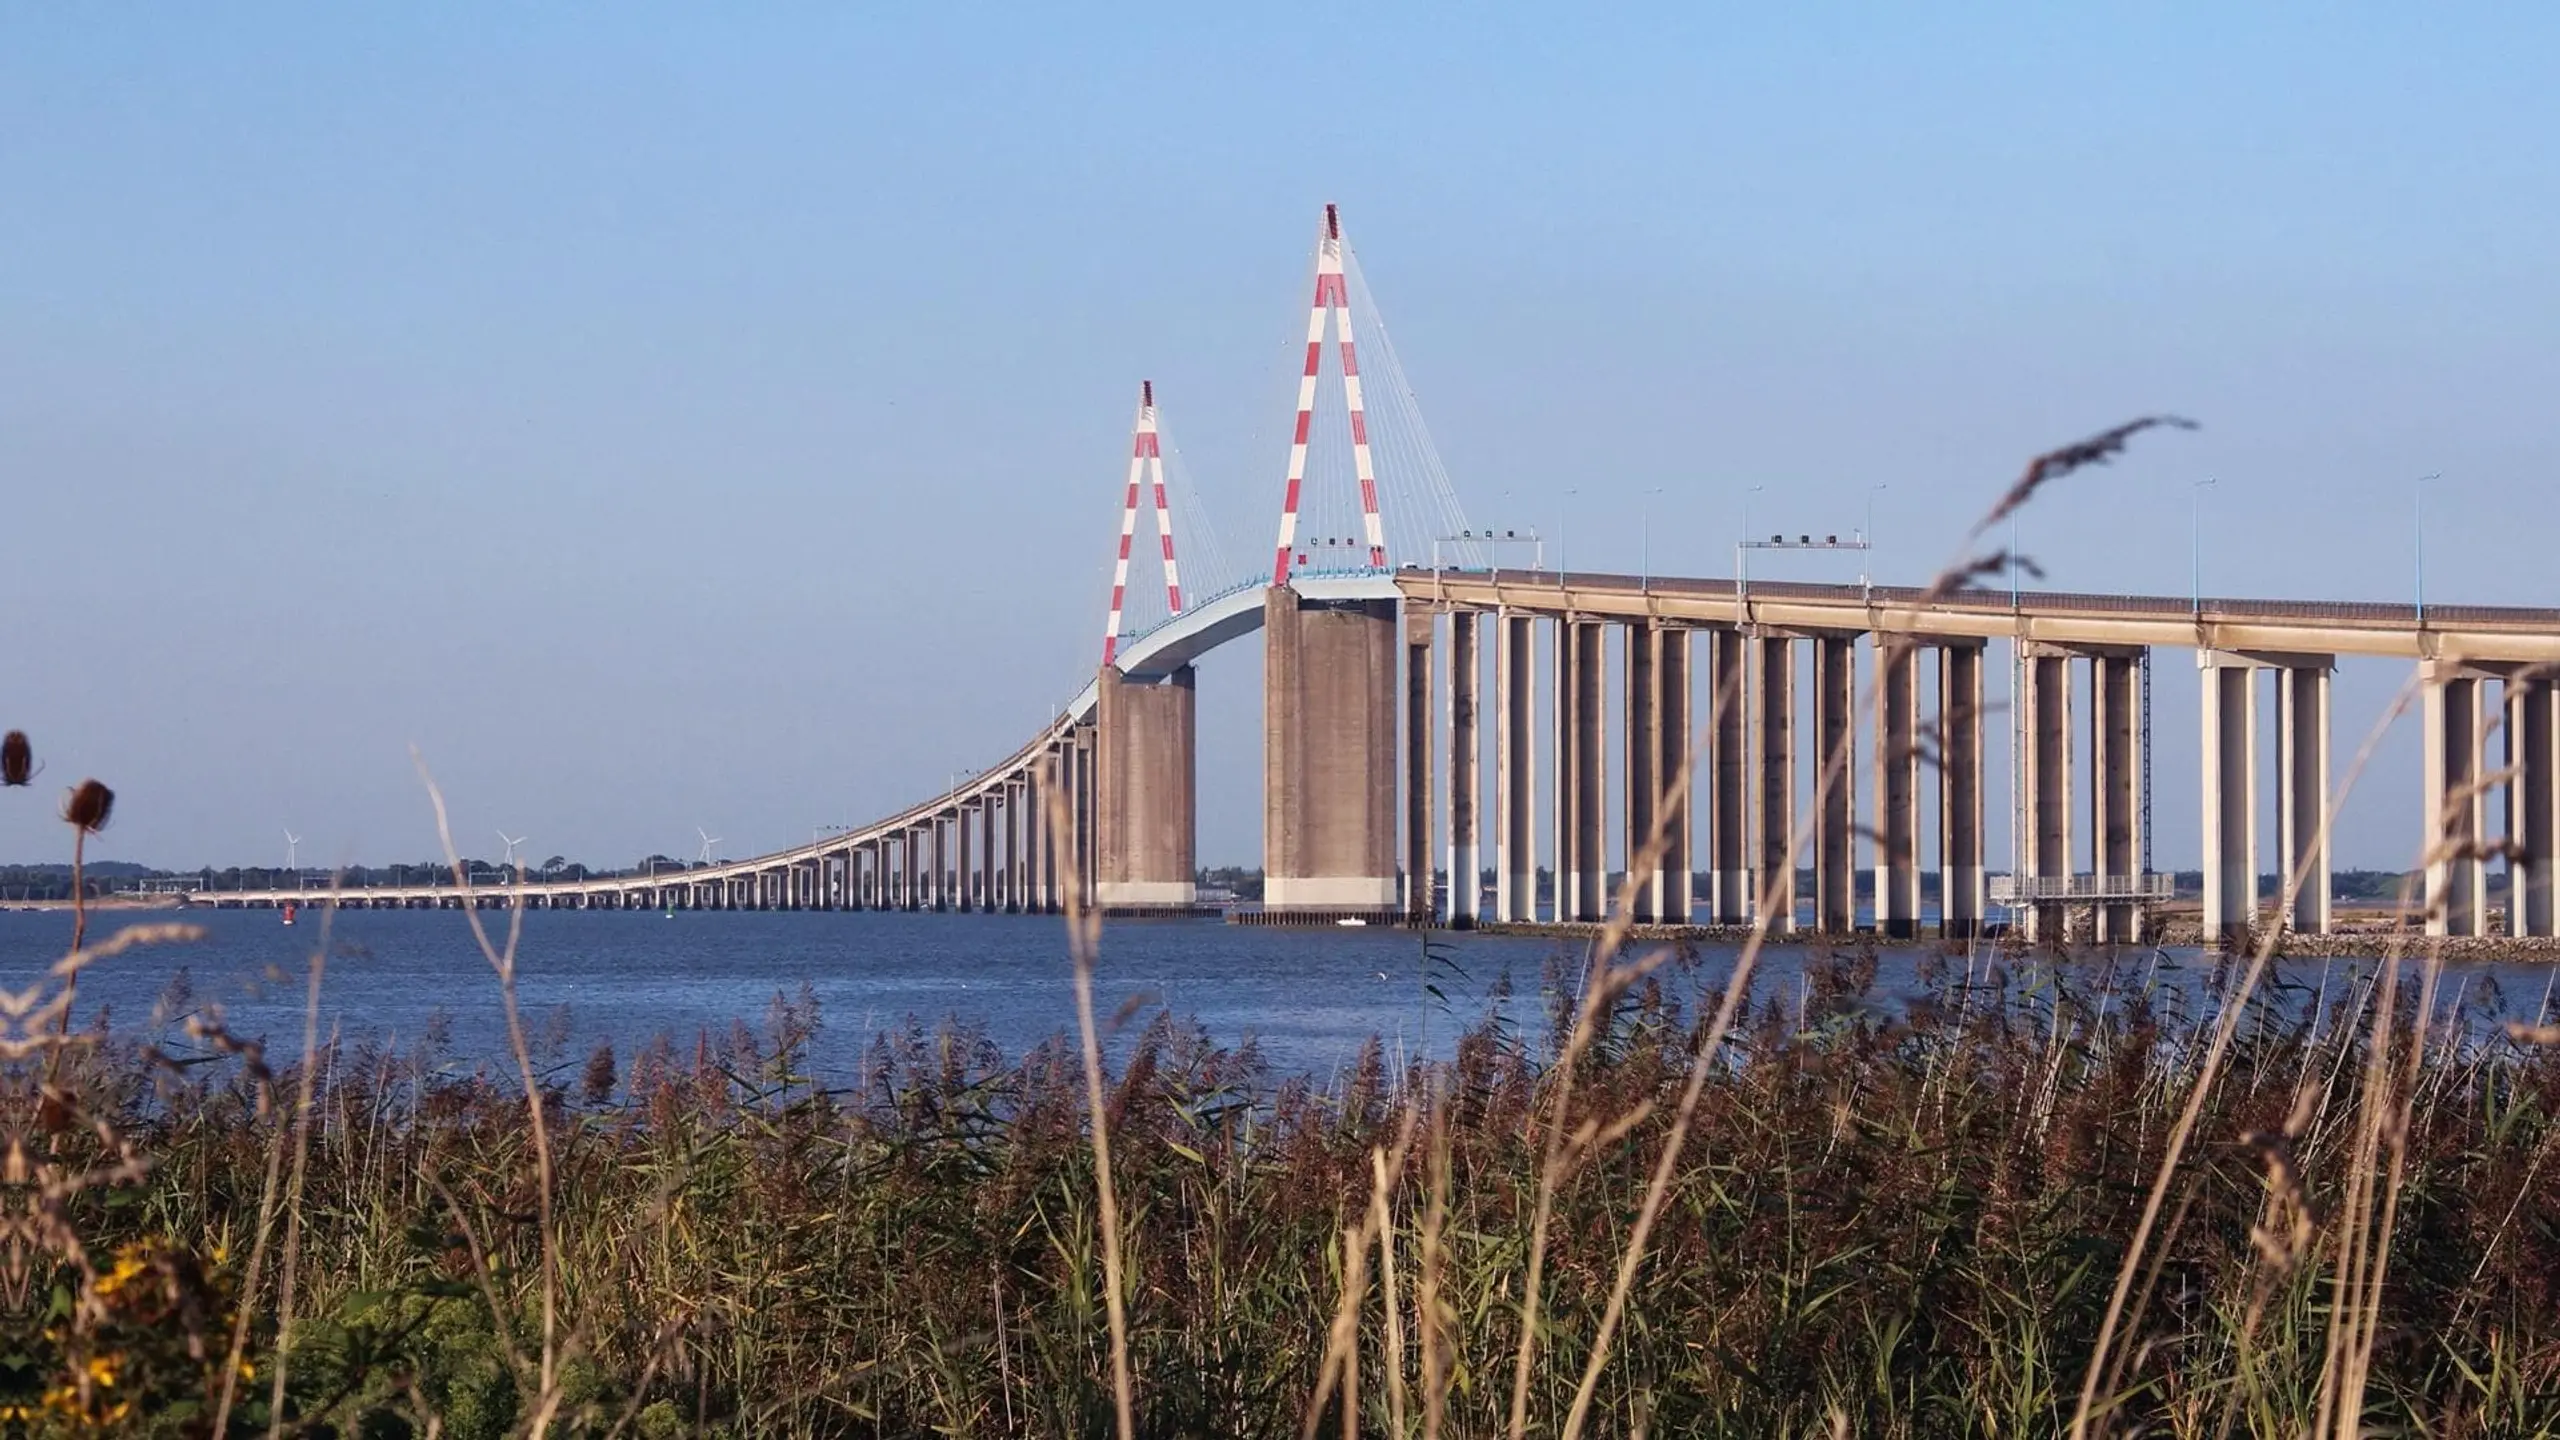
x: 1146, y: 462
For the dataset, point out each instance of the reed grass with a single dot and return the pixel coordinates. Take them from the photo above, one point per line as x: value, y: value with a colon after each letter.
x: 1905, y: 1217
x: 2049, y: 1194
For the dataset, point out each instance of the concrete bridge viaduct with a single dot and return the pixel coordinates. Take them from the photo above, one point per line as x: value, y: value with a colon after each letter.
x: 1374, y: 735
x: 1375, y: 738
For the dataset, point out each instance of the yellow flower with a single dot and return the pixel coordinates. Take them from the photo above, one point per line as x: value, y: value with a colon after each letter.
x: 103, y: 1370
x: 129, y: 1263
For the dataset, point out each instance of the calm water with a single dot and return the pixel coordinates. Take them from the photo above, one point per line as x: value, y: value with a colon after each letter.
x: 1309, y: 997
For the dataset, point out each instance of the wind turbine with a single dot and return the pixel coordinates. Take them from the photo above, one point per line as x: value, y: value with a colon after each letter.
x: 512, y: 841
x: 708, y: 840
x: 291, y: 841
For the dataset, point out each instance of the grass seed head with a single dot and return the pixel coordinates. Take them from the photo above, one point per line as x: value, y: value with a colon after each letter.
x: 89, y: 805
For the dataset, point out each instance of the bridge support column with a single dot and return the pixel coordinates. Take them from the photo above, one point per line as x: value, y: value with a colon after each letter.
x: 1013, y: 837
x: 2230, y: 768
x: 1329, y: 753
x: 2457, y: 882
x: 2302, y: 786
x: 1581, y: 770
x: 1044, y: 835
x: 2044, y: 778
x: 1644, y: 760
x: 971, y: 822
x: 2115, y: 804
x: 1145, y: 791
x: 1420, y: 713
x: 1897, y: 865
x: 1960, y: 880
x: 1466, y: 860
x: 1515, y: 769
x: 2533, y: 804
x: 990, y: 878
x: 1088, y: 813
x: 1729, y: 785
x: 1835, y: 832
x: 911, y: 868
x: 1657, y: 753
x: 1773, y: 782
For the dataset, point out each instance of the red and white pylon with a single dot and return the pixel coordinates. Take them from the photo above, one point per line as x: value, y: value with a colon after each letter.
x: 1146, y: 461
x: 1330, y: 291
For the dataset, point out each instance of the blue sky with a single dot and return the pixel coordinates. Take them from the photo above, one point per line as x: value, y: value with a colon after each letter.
x: 669, y: 418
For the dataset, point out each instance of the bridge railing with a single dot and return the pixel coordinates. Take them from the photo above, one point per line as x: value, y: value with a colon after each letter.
x: 2061, y: 889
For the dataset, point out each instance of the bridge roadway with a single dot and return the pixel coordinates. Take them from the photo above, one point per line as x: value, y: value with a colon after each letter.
x: 895, y: 860
x: 1125, y: 782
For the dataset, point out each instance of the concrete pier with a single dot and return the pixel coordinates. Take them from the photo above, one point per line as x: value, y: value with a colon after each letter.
x: 1773, y: 780
x: 1835, y: 802
x: 1581, y: 771
x: 1421, y: 715
x: 1644, y: 760
x: 1146, y: 791
x: 1466, y: 859
x: 2533, y: 803
x: 990, y: 876
x: 1676, y: 883
x: 1515, y: 767
x: 2457, y: 882
x: 2230, y: 771
x: 1329, y: 763
x: 1729, y: 856
x: 1897, y: 827
x: 2044, y: 784
x: 2302, y: 789
x: 1961, y: 898
x: 2115, y: 781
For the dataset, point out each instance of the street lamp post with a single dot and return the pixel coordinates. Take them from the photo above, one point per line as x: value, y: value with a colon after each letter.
x: 1645, y: 581
x: 1868, y: 533
x: 1563, y: 515
x: 2418, y: 537
x: 2195, y: 544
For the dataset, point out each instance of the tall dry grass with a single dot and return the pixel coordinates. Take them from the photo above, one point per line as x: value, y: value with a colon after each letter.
x: 2049, y: 1195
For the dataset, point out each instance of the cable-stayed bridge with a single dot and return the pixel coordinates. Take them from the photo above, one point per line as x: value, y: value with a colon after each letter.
x: 1387, y: 625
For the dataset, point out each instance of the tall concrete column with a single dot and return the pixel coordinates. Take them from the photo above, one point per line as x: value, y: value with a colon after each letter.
x: 1040, y: 861
x: 2230, y: 768
x: 1644, y: 757
x: 1147, y: 791
x: 2302, y: 791
x: 1088, y: 811
x: 969, y: 822
x: 1515, y: 768
x: 2533, y: 803
x: 2457, y: 883
x: 1835, y: 813
x: 1671, y: 705
x: 1466, y: 858
x: 1773, y: 763
x: 1960, y: 887
x: 990, y: 878
x: 2045, y: 783
x: 1014, y: 834
x: 1329, y: 762
x: 1897, y: 867
x: 1421, y: 715
x: 1729, y: 857
x: 2115, y: 785
x: 1581, y: 770
x: 942, y: 848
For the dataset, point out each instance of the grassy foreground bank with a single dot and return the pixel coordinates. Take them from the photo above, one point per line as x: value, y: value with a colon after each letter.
x: 1882, y: 1223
